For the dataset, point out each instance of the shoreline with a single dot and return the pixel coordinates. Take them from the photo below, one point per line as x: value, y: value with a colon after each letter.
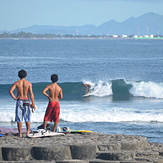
x: 68, y: 38
x: 84, y: 147
x: 82, y: 38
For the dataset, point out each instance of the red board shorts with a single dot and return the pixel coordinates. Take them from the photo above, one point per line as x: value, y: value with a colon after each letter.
x: 52, y: 112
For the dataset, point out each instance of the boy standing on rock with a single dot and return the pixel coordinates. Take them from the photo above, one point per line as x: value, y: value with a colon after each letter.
x: 23, y: 109
x: 53, y: 109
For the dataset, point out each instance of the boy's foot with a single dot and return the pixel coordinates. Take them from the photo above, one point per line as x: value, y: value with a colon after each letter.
x: 20, y: 135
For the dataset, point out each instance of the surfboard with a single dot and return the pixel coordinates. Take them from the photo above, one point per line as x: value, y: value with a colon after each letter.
x: 42, y: 133
x: 88, y: 94
x: 81, y: 131
x: 67, y: 130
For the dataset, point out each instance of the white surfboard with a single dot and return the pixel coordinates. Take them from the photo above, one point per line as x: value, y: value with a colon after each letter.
x: 88, y: 94
x: 39, y: 134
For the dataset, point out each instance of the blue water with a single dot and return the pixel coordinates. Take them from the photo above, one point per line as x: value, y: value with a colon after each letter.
x: 126, y: 78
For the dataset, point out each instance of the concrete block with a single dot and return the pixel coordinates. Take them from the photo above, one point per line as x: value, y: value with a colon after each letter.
x: 109, y: 147
x: 83, y: 151
x: 103, y: 161
x: 117, y: 156
x: 133, y: 145
x: 16, y: 154
x: 1, y: 158
x: 51, y: 153
x: 72, y: 161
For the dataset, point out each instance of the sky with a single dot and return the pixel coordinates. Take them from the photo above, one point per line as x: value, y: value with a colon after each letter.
x: 16, y: 14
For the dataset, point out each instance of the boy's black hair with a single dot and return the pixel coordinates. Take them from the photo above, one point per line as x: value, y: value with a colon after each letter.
x: 22, y: 74
x: 54, y: 78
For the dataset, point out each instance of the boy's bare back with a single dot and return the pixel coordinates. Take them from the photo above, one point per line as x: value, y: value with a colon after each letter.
x: 23, y: 88
x: 55, y: 92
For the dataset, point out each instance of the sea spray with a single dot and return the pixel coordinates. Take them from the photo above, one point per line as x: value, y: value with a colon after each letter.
x: 147, y: 89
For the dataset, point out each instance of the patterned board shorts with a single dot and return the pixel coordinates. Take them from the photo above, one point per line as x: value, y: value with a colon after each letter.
x: 22, y: 110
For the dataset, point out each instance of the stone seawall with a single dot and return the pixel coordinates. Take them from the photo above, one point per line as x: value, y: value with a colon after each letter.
x: 77, y: 148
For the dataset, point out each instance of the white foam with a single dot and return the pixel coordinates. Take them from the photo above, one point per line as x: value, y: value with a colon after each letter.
x: 147, y: 89
x: 101, y: 113
x: 93, y: 112
x: 101, y: 88
x: 139, y: 89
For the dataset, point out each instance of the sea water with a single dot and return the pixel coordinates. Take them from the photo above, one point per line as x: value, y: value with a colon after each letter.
x: 126, y: 78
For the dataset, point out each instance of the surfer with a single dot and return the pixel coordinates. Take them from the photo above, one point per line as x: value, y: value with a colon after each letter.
x: 53, y: 109
x: 23, y: 110
x: 88, y: 86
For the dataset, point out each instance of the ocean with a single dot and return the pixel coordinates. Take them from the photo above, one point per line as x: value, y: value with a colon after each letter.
x: 126, y: 78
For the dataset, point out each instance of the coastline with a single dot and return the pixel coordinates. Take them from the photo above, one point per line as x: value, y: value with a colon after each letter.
x: 83, y: 38
x: 68, y: 38
x: 85, y: 147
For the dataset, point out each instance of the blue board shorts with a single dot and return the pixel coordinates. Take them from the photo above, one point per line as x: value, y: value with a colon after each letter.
x: 22, y: 110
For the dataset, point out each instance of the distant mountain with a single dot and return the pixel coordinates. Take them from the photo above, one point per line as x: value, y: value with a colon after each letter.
x: 2, y: 31
x: 150, y: 23
x: 43, y: 29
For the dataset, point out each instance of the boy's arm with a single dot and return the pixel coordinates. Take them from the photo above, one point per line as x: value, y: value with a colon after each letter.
x: 60, y: 94
x: 44, y: 92
x: 11, y: 92
x: 31, y: 96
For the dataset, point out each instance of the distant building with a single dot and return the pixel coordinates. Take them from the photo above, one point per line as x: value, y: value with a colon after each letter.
x: 146, y: 36
x: 124, y: 36
x: 135, y: 36
x: 115, y: 36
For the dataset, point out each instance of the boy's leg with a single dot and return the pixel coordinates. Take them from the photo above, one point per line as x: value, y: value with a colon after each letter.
x: 45, y: 124
x: 28, y: 127
x: 19, y: 124
x: 55, y: 126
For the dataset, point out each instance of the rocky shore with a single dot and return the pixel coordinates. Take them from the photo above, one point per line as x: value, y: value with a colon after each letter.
x: 80, y: 148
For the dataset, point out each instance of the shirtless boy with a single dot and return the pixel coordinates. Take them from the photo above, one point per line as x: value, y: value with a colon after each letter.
x: 24, y: 88
x: 53, y: 108
x: 87, y: 87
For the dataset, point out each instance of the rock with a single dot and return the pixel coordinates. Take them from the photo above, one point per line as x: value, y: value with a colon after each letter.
x: 76, y: 148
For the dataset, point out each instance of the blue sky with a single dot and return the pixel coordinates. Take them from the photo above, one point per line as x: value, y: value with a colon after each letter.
x: 15, y: 14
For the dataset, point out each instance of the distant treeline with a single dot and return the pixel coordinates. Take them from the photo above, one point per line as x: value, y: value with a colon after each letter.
x: 26, y: 35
